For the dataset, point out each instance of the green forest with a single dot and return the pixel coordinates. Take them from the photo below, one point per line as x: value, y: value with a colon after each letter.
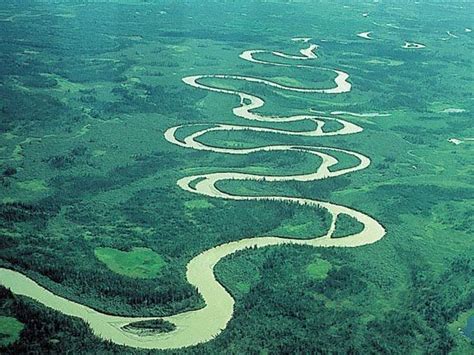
x: 90, y: 207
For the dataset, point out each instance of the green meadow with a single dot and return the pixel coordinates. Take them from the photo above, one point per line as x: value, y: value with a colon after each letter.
x: 139, y: 262
x: 10, y: 330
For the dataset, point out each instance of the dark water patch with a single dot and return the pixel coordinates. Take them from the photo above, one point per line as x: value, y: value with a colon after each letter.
x: 468, y: 330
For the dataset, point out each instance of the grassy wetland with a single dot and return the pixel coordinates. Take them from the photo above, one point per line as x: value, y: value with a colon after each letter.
x: 236, y: 177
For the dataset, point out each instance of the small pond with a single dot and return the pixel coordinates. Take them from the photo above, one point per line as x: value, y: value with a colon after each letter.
x: 469, y: 328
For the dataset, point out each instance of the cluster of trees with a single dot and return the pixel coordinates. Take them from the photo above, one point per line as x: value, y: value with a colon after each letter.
x: 320, y: 190
x: 67, y: 159
x: 414, y: 199
x: 164, y: 209
x: 39, y: 81
x: 286, y: 311
x: 21, y: 109
x: 11, y: 212
x: 438, y: 300
x: 139, y: 98
x: 151, y: 326
x: 347, y: 225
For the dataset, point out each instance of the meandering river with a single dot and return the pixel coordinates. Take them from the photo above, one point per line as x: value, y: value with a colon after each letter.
x: 198, y: 326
